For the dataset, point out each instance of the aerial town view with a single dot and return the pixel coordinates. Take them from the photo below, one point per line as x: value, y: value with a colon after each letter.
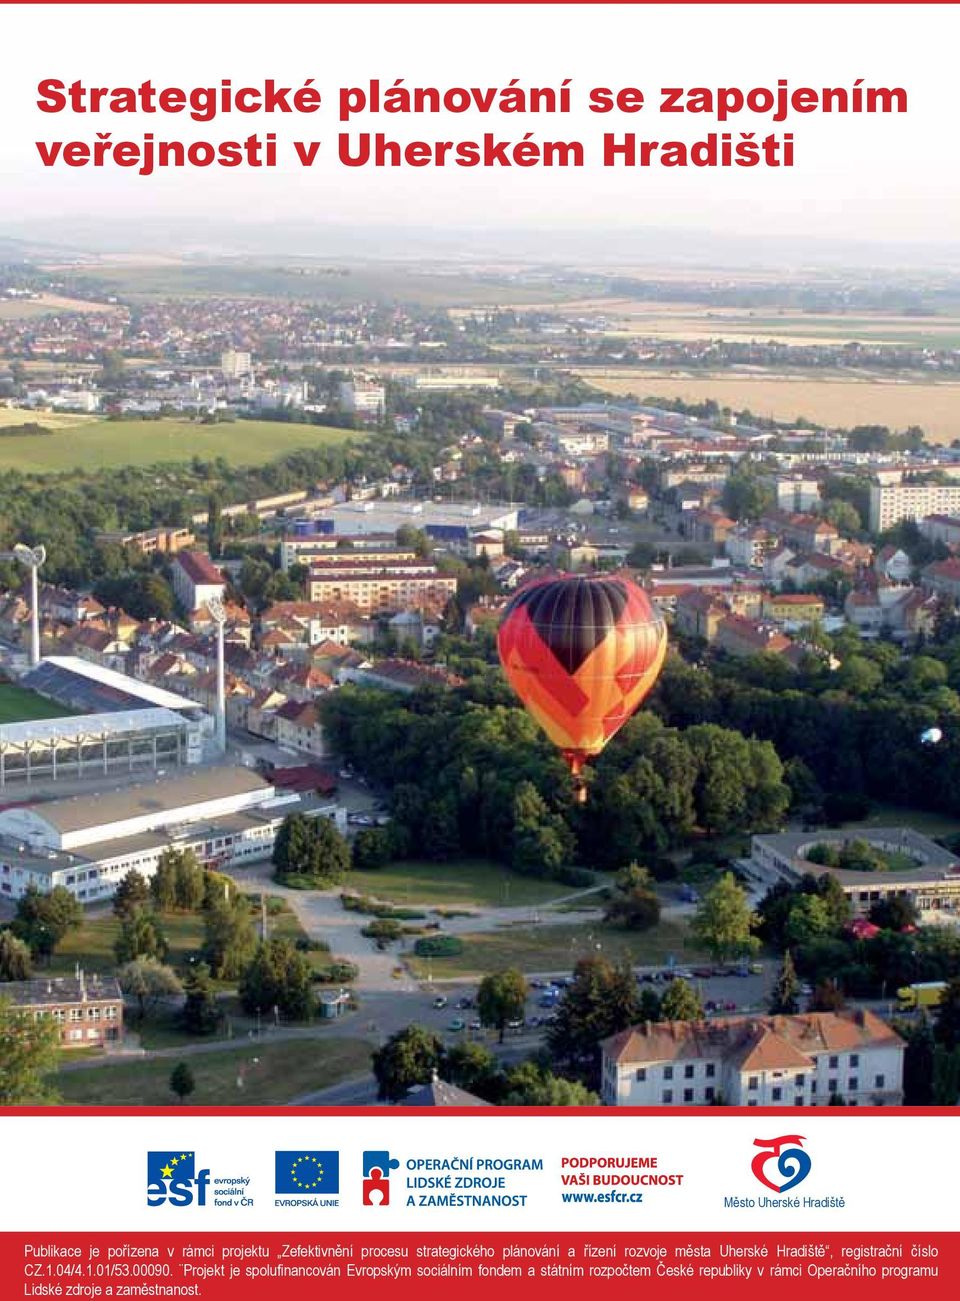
x: 478, y: 682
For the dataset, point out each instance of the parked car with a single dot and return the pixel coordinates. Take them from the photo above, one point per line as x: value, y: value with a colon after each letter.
x: 458, y: 1024
x: 533, y: 1022
x: 547, y: 1001
x: 464, y: 1003
x: 514, y: 1025
x: 703, y: 973
x: 439, y: 1001
x: 476, y: 1024
x: 756, y: 968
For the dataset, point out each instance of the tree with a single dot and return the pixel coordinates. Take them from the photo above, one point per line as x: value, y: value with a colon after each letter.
x: 188, y: 875
x: 178, y: 881
x: 634, y: 903
x: 807, y: 920
x: 502, y: 997
x: 371, y: 848
x: 681, y: 1002
x: 601, y: 1001
x: 745, y: 495
x: 532, y: 1085
x: 894, y: 913
x: 408, y: 1058
x: 472, y: 1067
x: 723, y: 921
x: 648, y: 1005
x: 214, y: 526
x: 230, y: 939
x: 200, y: 1013
x: 918, y: 1063
x: 148, y: 981
x: 141, y: 936
x: 15, y: 963
x: 131, y: 894
x: 843, y: 516
x: 42, y: 920
x: 163, y: 883
x: 28, y: 1055
x: 182, y: 1083
x: 785, y: 995
x: 280, y: 977
x: 312, y: 848
x: 542, y: 841
x: 946, y: 1029
x: 859, y: 676
x: 827, y: 997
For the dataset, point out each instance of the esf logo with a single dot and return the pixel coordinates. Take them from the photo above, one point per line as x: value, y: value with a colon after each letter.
x: 793, y: 1163
x: 376, y: 1177
x: 172, y: 1179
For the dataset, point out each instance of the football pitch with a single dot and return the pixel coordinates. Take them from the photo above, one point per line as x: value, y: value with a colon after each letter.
x: 17, y: 705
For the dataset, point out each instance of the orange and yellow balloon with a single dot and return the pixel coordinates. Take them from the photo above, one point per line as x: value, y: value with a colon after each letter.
x: 581, y: 653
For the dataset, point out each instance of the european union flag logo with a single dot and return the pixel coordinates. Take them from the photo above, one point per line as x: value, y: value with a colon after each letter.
x: 170, y: 1165
x: 308, y: 1172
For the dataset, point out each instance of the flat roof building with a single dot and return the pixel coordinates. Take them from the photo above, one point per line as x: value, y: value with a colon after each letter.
x: 226, y: 815
x: 932, y: 884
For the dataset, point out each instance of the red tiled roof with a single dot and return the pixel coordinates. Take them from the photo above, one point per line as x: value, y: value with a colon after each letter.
x: 198, y: 567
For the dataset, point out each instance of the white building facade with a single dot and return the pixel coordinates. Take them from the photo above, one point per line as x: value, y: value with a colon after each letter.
x: 781, y: 1061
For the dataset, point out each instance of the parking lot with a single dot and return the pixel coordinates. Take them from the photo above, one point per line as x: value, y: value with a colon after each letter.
x: 449, y: 1008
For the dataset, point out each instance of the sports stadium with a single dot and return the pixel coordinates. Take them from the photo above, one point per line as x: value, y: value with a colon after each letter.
x: 68, y: 718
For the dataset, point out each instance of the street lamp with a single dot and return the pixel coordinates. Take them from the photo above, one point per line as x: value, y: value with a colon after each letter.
x: 32, y: 558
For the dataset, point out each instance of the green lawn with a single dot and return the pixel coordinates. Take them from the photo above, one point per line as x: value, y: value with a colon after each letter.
x: 557, y: 948
x: 896, y: 815
x: 18, y: 705
x: 467, y: 882
x: 92, y: 943
x: 282, y: 1072
x: 106, y: 444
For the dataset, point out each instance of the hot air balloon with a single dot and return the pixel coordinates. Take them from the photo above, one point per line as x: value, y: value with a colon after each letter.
x: 932, y: 736
x: 581, y: 653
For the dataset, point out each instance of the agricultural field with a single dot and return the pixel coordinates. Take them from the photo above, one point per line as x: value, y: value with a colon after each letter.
x: 692, y: 320
x: 272, y: 1074
x: 109, y: 444
x: 934, y: 406
x: 21, y: 309
x: 14, y: 417
x: 17, y: 705
x: 316, y: 281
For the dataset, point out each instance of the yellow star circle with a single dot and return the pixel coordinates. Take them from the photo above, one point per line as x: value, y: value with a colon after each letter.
x: 306, y: 1183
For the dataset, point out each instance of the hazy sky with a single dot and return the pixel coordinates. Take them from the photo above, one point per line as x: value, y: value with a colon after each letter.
x: 872, y: 177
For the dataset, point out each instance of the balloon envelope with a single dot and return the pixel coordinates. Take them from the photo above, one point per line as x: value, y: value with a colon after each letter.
x: 932, y: 736
x: 581, y: 653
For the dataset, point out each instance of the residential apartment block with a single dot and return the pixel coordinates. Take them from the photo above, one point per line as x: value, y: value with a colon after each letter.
x: 196, y: 580
x: 370, y: 585
x: 892, y: 502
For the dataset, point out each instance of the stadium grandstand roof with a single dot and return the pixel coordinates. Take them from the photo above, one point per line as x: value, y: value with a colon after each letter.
x: 82, y: 812
x: 86, y: 727
x: 78, y: 684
